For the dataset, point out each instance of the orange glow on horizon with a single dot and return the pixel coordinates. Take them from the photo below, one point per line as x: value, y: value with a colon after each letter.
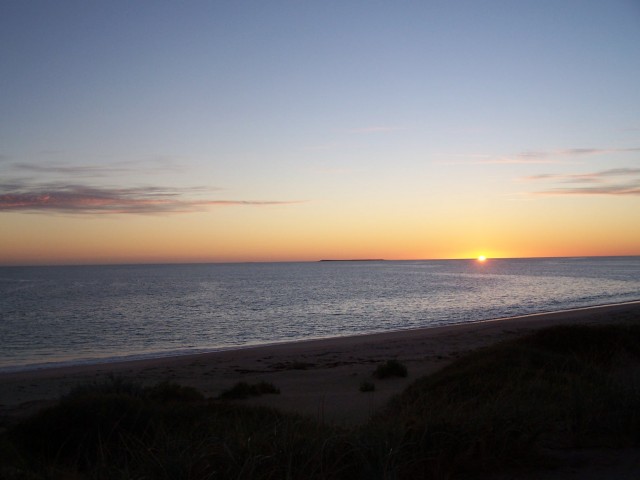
x: 288, y: 235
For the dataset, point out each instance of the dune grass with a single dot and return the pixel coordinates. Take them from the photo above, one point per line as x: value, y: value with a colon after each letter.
x: 142, y: 435
x: 366, y: 387
x: 391, y: 368
x: 244, y: 390
x: 503, y: 407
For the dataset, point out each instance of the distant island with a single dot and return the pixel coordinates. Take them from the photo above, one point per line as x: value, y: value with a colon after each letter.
x: 355, y: 260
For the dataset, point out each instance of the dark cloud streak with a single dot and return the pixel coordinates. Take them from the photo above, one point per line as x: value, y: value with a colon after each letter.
x: 80, y: 199
x: 155, y: 165
x: 615, y: 190
x: 614, y: 182
x: 585, y: 177
x: 73, y: 170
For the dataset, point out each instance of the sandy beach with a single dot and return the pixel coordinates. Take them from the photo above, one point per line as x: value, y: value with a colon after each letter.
x: 320, y: 378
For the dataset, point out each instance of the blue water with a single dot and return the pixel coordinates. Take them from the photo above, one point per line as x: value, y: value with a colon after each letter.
x: 66, y: 315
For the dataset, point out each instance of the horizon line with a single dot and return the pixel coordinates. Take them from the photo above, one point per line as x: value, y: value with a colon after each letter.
x: 319, y: 260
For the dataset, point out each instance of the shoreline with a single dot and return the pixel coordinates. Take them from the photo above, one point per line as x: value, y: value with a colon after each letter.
x: 152, y: 356
x: 317, y: 377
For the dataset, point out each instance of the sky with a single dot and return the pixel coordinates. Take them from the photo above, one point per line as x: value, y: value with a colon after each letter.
x: 235, y: 131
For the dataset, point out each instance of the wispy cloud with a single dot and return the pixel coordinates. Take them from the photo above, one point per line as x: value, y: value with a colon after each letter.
x: 617, y: 181
x: 618, y: 190
x: 153, y: 165
x: 516, y: 160
x: 73, y: 170
x: 585, y: 177
x: 547, y: 156
x: 84, y: 199
x: 596, y: 151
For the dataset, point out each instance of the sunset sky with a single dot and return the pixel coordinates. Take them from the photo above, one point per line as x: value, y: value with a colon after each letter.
x: 159, y: 131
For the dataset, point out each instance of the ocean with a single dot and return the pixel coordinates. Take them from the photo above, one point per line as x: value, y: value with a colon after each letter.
x: 51, y: 316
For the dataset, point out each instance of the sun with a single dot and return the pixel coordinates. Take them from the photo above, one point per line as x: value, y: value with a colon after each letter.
x: 482, y: 258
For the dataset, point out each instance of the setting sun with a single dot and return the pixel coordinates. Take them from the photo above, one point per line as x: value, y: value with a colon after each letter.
x: 482, y: 258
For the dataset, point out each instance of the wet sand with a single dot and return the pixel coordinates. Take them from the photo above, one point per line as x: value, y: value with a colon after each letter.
x: 320, y: 378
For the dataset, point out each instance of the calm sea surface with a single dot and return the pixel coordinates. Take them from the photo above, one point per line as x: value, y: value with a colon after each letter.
x: 69, y: 315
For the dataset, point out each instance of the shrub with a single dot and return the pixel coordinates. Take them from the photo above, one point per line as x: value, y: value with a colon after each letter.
x: 172, y: 392
x: 367, y: 387
x: 392, y: 368
x: 122, y: 436
x: 301, y: 365
x: 111, y: 385
x: 243, y: 390
x: 80, y: 427
x: 499, y: 407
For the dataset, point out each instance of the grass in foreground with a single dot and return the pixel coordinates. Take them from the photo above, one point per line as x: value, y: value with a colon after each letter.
x: 502, y: 406
x: 244, y: 390
x: 391, y: 368
x: 496, y: 409
x: 367, y: 387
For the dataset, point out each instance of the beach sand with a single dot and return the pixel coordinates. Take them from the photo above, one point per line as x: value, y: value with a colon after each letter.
x: 320, y: 378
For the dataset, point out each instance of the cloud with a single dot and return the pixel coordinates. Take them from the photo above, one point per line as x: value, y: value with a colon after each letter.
x: 596, y: 151
x: 152, y: 165
x: 73, y: 170
x: 552, y: 156
x: 585, y: 177
x: 617, y: 190
x: 82, y: 199
x: 615, y: 181
x: 517, y: 160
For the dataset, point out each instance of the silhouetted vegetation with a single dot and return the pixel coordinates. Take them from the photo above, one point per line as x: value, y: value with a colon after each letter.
x: 244, y: 390
x: 367, y: 387
x: 499, y: 408
x: 391, y: 368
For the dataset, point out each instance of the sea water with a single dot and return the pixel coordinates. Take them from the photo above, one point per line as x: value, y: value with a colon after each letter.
x: 68, y: 315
